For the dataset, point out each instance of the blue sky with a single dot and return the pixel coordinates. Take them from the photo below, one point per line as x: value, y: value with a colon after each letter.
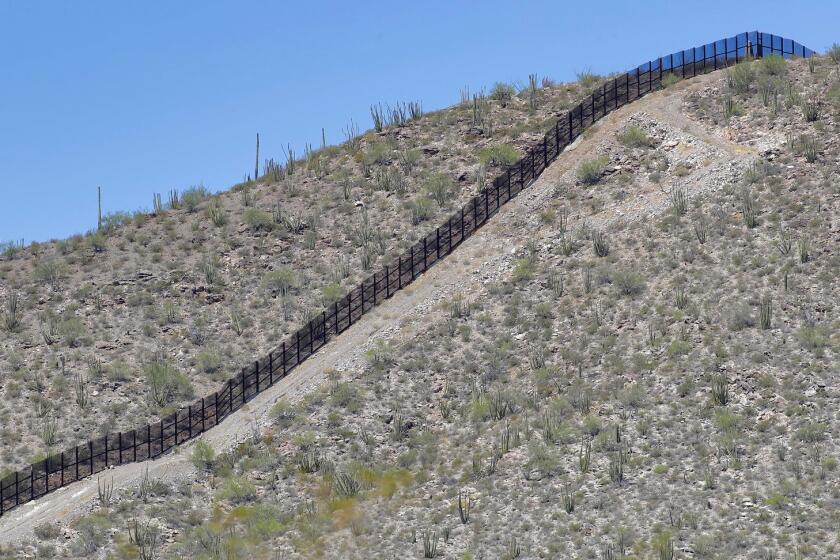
x: 143, y: 97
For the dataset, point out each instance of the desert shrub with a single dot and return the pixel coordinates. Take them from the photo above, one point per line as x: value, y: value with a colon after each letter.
x: 589, y: 172
x: 440, y: 188
x: 258, y: 220
x: 421, y: 209
x: 629, y: 282
x: 216, y: 214
x: 346, y: 395
x: 330, y: 293
x: 166, y: 383
x: 669, y: 79
x: 740, y: 317
x: 834, y: 53
x: 281, y: 281
x: 237, y: 490
x: 47, y: 531
x: 634, y: 137
x: 194, y: 196
x: 813, y: 338
x: 773, y: 65
x: 523, y: 270
x: 588, y: 79
x: 72, y: 330
x: 283, y: 413
x: 114, y: 220
x: 97, y: 242
x: 542, y: 461
x: 378, y: 152
x: 678, y: 348
x: 209, y: 361
x: 93, y: 531
x: 500, y: 154
x: 203, y: 456
x: 740, y: 77
x: 503, y: 93
x: 811, y: 432
x: 48, y: 272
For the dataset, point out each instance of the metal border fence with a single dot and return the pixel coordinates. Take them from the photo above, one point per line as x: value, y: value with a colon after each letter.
x: 153, y: 440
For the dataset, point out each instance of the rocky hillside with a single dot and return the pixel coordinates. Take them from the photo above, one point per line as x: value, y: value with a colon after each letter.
x: 637, y: 358
x: 104, y: 331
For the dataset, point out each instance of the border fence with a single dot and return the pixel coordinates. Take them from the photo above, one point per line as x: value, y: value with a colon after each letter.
x: 153, y: 440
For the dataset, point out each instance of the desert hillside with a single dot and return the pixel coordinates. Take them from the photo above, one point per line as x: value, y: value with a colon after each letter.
x: 636, y: 358
x: 106, y: 331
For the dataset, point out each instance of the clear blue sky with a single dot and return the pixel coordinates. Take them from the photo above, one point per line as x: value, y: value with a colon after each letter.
x: 143, y: 97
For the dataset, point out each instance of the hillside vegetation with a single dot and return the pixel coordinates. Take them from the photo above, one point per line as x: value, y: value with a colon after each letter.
x: 104, y: 331
x: 641, y: 361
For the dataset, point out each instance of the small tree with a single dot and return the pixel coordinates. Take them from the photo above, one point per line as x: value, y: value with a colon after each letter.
x: 203, y: 456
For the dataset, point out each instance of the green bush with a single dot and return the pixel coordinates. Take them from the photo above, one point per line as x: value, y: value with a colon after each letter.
x: 740, y: 77
x: 346, y: 395
x: 281, y: 281
x: 378, y: 152
x: 523, y: 270
x: 330, y: 293
x: 49, y: 272
x: 773, y: 65
x: 209, y: 361
x: 503, y: 93
x: 635, y: 137
x: 834, y: 53
x: 440, y: 188
x: 813, y: 338
x: 678, y: 348
x: 97, y: 242
x: 669, y: 79
x: 114, y: 220
x: 166, y: 383
x: 422, y: 209
x: 72, y: 330
x: 628, y: 282
x: 258, y: 220
x: 203, y: 456
x: 589, y: 172
x: 283, y: 413
x: 194, y: 196
x: 588, y: 79
x: 500, y: 154
x: 237, y: 490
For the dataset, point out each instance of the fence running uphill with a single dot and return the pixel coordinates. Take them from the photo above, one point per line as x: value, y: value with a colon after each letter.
x: 153, y: 440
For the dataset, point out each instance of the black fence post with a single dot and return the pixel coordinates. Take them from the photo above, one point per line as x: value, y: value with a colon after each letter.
x: 257, y: 373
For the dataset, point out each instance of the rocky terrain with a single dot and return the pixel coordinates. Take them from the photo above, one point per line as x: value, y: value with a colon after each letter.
x: 104, y: 331
x: 637, y: 358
